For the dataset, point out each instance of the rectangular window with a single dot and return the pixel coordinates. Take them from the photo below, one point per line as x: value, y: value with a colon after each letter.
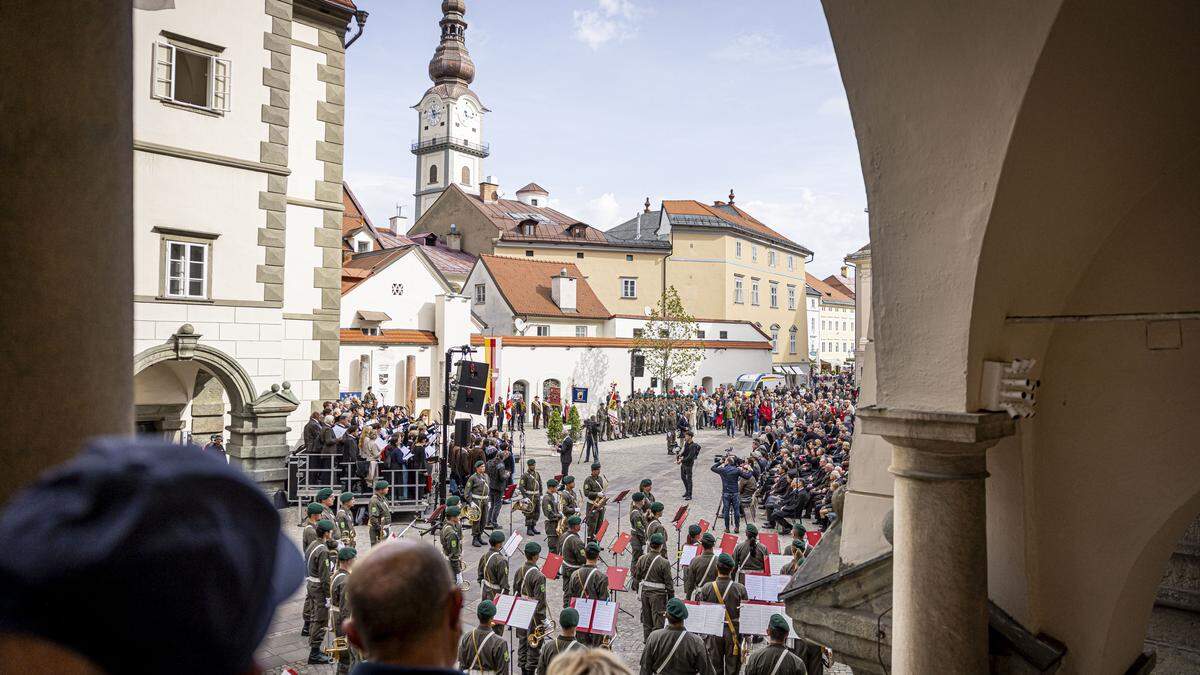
x: 791, y: 262
x: 579, y: 254
x: 753, y: 291
x: 190, y: 77
x: 699, y: 335
x: 774, y: 290
x: 638, y: 332
x: 753, y: 252
x: 724, y: 335
x: 628, y: 288
x: 737, y: 249
x: 480, y: 294
x: 186, y: 270
x: 771, y: 258
x: 792, y: 340
x: 580, y: 331
x: 791, y: 297
x: 629, y: 258
x: 543, y: 330
x: 775, y: 340
x: 528, y: 254
x: 363, y: 246
x: 812, y: 325
x: 738, y: 290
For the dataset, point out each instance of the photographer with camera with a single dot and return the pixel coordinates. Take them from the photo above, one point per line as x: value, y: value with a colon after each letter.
x: 731, y: 470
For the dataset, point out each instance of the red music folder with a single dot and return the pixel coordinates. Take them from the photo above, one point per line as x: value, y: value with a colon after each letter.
x: 620, y: 496
x: 596, y: 616
x: 770, y: 540
x: 704, y: 526
x: 601, y: 530
x: 728, y: 543
x: 680, y: 514
x: 508, y: 492
x: 812, y: 537
x: 617, y: 577
x: 621, y: 543
x: 550, y: 567
x: 437, y: 513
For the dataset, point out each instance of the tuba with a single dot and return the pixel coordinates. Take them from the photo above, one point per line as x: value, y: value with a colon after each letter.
x: 539, y: 633
x: 472, y: 513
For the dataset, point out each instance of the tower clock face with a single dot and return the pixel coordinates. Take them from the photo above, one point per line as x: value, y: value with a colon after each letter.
x: 433, y: 115
x: 467, y: 113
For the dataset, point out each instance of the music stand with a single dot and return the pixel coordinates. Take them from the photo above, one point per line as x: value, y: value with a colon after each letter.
x: 508, y: 493
x: 618, y: 500
x: 680, y: 516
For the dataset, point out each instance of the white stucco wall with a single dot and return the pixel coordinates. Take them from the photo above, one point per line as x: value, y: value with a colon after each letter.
x: 413, y: 308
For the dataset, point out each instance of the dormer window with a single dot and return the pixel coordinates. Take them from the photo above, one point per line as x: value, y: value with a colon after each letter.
x: 578, y: 230
x: 431, y: 239
x: 528, y: 228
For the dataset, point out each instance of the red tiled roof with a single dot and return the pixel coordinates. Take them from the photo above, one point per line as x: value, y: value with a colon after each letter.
x: 841, y: 283
x: 623, y: 343
x: 525, y: 285
x: 358, y: 268
x: 827, y: 292
x: 390, y: 336
x: 349, y: 4
x: 533, y: 187
x: 727, y: 212
x: 549, y: 225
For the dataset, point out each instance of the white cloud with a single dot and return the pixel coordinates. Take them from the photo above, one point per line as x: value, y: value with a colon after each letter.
x: 600, y: 212
x: 767, y: 50
x: 834, y: 106
x: 829, y: 225
x: 610, y: 20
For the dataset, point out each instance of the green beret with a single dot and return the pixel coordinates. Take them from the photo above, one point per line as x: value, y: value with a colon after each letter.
x: 486, y: 610
x: 592, y: 549
x: 707, y: 539
x: 532, y: 548
x: 777, y: 622
x: 657, y: 539
x: 346, y: 497
x: 676, y: 609
x: 639, y: 496
x: 382, y: 485
x: 551, y: 483
x: 324, y: 493
x: 453, y: 512
x: 694, y: 530
x: 531, y: 462
x: 646, y: 482
x: 657, y: 507
x: 347, y: 553
x: 315, y: 508
x: 453, y: 500
x: 574, y: 520
x: 567, y: 480
x: 798, y: 529
x: 751, y: 530
x: 479, y: 463
x: 568, y: 618
x: 496, y: 537
x: 595, y: 466
x: 324, y: 526
x: 725, y: 561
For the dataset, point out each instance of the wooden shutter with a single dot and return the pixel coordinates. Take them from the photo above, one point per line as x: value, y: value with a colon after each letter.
x: 222, y: 73
x: 162, y: 71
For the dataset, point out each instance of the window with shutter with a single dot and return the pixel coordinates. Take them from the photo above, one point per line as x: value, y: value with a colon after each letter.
x: 220, y: 85
x: 163, y: 71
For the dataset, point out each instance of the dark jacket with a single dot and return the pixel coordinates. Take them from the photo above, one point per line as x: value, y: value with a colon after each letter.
x: 567, y: 447
x: 312, y: 436
x: 690, y: 452
x: 729, y: 477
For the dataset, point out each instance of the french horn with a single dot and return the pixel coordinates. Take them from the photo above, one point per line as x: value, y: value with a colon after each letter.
x: 472, y: 513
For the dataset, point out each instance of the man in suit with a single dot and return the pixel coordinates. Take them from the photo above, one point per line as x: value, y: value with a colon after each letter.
x: 536, y: 408
x: 687, y: 460
x: 312, y: 433
x: 565, y: 448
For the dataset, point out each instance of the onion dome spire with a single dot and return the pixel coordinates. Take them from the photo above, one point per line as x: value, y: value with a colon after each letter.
x: 451, y: 63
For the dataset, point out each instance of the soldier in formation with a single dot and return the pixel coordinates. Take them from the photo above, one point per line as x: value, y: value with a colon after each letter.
x: 529, y: 582
x: 316, y: 590
x: 653, y: 580
x: 637, y: 527
x: 379, y: 513
x: 654, y: 524
x: 673, y: 650
x: 451, y: 537
x: 493, y: 571
x: 775, y: 658
x: 703, y: 568
x: 750, y: 555
x: 309, y: 535
x: 725, y: 649
x: 569, y: 496
x: 482, y: 650
x: 476, y: 493
x: 339, y: 607
x: 593, y: 495
x: 566, y: 642
x: 588, y: 582
x: 573, y: 553
x: 552, y: 512
x: 344, y: 522
x: 530, y: 486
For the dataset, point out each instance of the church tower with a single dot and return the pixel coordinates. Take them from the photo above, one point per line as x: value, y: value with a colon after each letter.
x: 449, y: 147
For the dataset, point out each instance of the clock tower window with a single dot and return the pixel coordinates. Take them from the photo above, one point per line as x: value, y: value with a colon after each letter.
x: 466, y: 175
x: 433, y: 174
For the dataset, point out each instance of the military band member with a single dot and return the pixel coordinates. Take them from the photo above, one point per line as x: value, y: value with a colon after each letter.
x: 673, y: 650
x: 309, y: 535
x: 530, y: 486
x: 379, y: 513
x: 693, y: 536
x: 345, y: 520
x: 798, y: 540
x: 703, y: 568
x: 644, y: 487
x: 569, y: 496
x: 654, y: 524
x: 566, y: 642
x: 725, y: 650
x: 573, y: 554
x: 637, y: 527
x: 528, y: 581
x: 775, y: 658
x: 493, y: 571
x: 316, y: 590
x: 451, y: 537
x: 652, y: 578
x: 593, y: 491
x: 588, y: 582
x: 339, y: 608
x: 325, y: 499
x: 481, y: 651
x: 476, y: 493
x: 497, y: 478
x: 552, y: 511
x: 750, y: 555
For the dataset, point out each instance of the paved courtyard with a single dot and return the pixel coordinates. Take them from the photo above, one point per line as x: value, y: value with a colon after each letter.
x: 625, y: 463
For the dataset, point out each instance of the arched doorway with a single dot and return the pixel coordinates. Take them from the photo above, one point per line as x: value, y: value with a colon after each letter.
x: 552, y: 395
x: 706, y: 383
x: 182, y: 386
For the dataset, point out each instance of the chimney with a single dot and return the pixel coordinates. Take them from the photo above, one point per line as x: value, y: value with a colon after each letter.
x: 454, y: 238
x: 398, y: 222
x: 489, y: 190
x: 562, y: 290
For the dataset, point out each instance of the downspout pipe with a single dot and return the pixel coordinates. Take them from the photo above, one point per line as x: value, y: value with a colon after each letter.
x: 360, y: 17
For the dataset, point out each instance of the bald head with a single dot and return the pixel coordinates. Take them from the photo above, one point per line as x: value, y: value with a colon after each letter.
x: 404, y: 597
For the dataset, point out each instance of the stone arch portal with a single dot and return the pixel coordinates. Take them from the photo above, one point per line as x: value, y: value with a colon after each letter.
x: 258, y: 423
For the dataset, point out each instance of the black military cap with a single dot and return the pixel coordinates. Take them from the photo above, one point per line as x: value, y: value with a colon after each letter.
x: 107, y: 527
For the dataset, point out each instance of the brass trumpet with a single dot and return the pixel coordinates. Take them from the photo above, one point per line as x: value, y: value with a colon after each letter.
x: 538, y: 634
x: 464, y: 585
x: 338, y: 649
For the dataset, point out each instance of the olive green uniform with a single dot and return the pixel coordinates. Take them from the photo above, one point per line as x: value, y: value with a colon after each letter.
x: 476, y: 493
x: 339, y: 601
x: 702, y: 570
x: 493, y: 577
x: 725, y: 650
x: 637, y: 534
x: 749, y: 556
x: 344, y: 523
x: 675, y: 651
x: 775, y: 660
x: 653, y: 580
x: 593, y: 490
x: 587, y: 582
x: 316, y: 596
x: 481, y: 650
x: 655, y: 526
x: 528, y: 581
x: 559, y: 645
x: 452, y: 546
x: 573, y: 559
x: 531, y: 488
x: 379, y: 518
x: 552, y: 511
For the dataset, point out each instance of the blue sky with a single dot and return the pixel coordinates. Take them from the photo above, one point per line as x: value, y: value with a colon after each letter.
x: 607, y: 102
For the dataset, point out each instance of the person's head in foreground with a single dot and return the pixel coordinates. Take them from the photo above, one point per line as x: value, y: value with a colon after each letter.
x: 139, y: 556
x: 587, y: 662
x: 406, y: 606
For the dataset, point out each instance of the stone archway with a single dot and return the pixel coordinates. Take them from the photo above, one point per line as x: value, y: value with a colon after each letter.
x: 258, y: 423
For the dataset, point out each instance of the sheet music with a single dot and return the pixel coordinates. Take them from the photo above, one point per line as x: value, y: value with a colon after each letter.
x: 689, y: 554
x: 405, y: 453
x: 705, y: 618
x: 380, y: 443
x: 585, y: 607
x: 775, y: 563
x: 754, y: 619
x: 522, y: 613
x: 504, y: 605
x: 765, y: 587
x: 605, y: 619
x: 511, y: 545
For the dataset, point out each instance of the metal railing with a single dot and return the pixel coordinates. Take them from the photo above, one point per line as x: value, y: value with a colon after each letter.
x: 308, y: 474
x: 460, y: 143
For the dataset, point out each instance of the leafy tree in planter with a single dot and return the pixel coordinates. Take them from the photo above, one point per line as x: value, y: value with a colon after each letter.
x: 574, y: 421
x: 554, y: 428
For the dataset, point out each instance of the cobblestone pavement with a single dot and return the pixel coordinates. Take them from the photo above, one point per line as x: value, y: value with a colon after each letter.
x: 625, y: 463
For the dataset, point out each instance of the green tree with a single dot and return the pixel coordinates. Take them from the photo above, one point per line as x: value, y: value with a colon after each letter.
x: 666, y: 340
x: 573, y: 420
x: 554, y: 428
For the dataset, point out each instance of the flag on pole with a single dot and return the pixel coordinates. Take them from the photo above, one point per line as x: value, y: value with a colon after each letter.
x: 491, y: 356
